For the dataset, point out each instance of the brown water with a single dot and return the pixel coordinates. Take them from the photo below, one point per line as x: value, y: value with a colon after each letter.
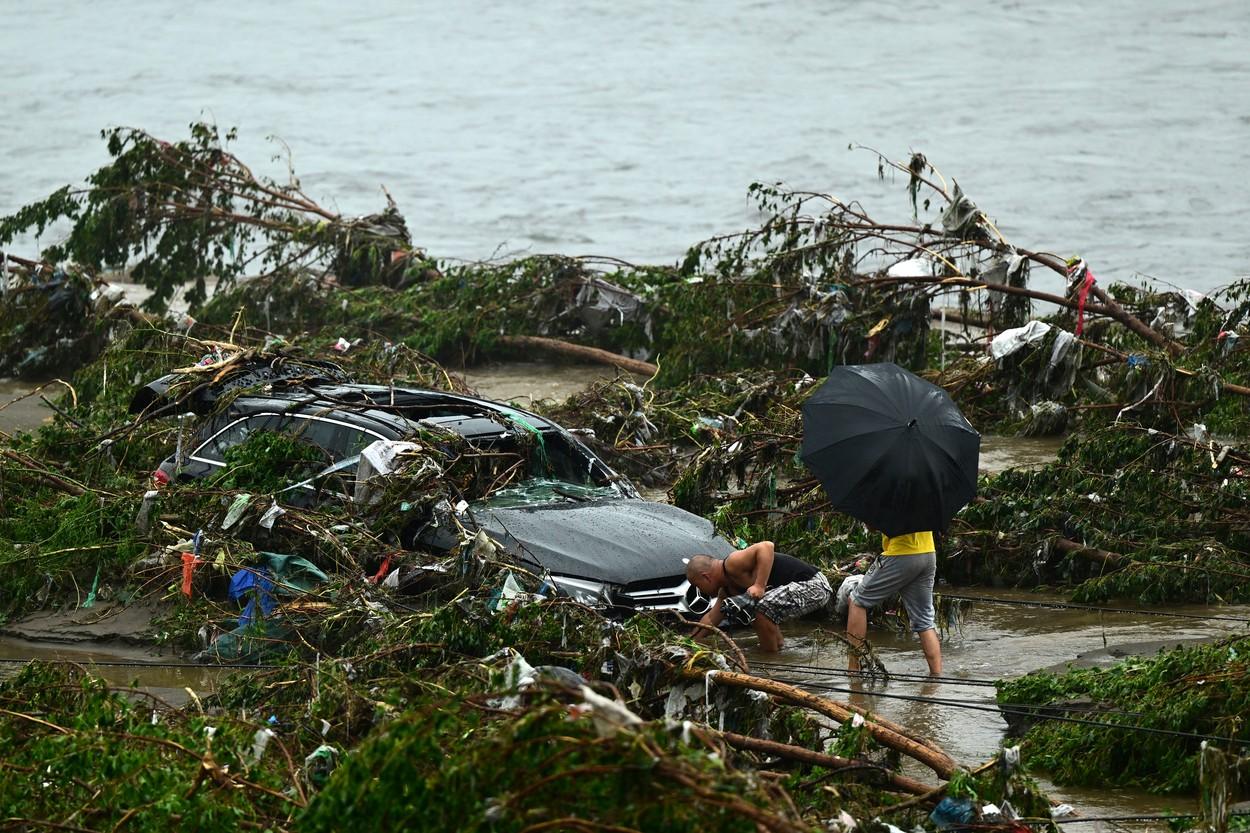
x: 168, y: 676
x: 995, y: 641
x: 634, y: 129
x: 27, y: 411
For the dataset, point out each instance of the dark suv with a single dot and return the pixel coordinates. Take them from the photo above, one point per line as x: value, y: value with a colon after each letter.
x: 577, y: 520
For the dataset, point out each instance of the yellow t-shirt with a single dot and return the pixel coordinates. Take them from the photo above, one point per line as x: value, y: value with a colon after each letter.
x: 913, y: 543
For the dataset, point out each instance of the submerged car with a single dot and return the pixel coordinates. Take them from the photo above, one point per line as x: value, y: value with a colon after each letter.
x: 571, y: 518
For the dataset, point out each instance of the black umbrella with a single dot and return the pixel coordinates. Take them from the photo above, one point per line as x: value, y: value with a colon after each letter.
x: 890, y: 448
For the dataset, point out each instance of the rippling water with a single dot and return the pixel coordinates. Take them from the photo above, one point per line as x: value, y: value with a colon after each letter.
x: 1113, y: 130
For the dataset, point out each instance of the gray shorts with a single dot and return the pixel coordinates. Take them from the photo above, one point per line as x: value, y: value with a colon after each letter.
x: 911, y: 576
x: 790, y: 601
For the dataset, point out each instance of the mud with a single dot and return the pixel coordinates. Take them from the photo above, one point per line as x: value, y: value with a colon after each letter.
x: 101, y: 624
x: 523, y: 383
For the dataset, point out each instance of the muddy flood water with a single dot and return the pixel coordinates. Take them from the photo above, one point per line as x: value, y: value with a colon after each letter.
x: 994, y: 640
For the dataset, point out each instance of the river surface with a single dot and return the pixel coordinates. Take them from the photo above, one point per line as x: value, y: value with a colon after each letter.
x: 1109, y: 129
x: 994, y: 641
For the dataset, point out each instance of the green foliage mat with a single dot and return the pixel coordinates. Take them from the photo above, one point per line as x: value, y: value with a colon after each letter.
x: 77, y: 753
x: 1171, y: 509
x: 1202, y: 690
x: 541, y: 771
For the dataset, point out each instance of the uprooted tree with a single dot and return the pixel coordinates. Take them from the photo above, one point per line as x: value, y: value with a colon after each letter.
x: 178, y: 213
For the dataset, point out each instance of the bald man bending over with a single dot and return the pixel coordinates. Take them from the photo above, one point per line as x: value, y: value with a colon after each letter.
x: 785, y: 587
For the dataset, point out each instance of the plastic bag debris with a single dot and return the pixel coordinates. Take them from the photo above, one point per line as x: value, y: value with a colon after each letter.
x: 271, y: 515
x: 1198, y: 433
x: 376, y: 460
x: 608, y: 715
x: 518, y: 675
x: 320, y: 763
x: 1009, y: 341
x: 961, y: 217
x: 189, y: 561
x: 143, y: 519
x: 916, y: 267
x: 952, y: 812
x: 509, y: 591
x: 260, y: 741
x: 600, y: 304
x: 679, y: 697
x: 483, y: 546
x: 236, y: 510
x: 844, y: 823
x: 255, y: 579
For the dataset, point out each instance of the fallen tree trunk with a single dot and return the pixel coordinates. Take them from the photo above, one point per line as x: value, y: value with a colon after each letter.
x: 834, y: 762
x: 923, y: 751
x: 1107, y: 559
x: 958, y: 318
x: 52, y: 478
x: 580, y: 352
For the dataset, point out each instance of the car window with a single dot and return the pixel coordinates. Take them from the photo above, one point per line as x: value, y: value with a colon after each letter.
x: 338, y: 439
x: 236, y: 433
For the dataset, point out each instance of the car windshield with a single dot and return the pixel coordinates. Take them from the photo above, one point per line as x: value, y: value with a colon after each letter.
x: 541, y: 491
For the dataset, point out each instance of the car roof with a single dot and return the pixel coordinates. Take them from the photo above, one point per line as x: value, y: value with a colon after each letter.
x: 396, y: 411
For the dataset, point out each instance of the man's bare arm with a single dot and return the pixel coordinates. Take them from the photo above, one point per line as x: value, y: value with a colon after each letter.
x: 762, y: 555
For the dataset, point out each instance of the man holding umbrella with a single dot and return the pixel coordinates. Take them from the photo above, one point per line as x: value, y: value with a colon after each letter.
x: 893, y: 451
x: 906, y: 567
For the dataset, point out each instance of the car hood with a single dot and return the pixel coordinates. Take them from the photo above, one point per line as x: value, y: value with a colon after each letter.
x: 618, y: 541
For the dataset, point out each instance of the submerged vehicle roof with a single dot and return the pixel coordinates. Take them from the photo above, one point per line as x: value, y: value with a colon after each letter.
x: 395, y: 409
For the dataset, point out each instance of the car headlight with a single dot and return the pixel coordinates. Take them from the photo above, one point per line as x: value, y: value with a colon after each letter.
x: 594, y: 593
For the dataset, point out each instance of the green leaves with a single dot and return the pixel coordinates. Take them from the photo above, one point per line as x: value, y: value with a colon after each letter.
x: 182, y: 213
x: 1199, y: 690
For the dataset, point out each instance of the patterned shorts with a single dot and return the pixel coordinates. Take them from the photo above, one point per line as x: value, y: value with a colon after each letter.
x: 790, y: 601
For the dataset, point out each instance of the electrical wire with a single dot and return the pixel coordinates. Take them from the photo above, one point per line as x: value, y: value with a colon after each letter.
x: 1094, y: 608
x: 979, y: 705
x: 136, y: 664
x: 1032, y: 711
x: 903, y: 677
x: 1144, y: 817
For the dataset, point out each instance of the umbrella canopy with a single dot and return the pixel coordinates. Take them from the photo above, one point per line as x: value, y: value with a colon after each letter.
x: 890, y: 448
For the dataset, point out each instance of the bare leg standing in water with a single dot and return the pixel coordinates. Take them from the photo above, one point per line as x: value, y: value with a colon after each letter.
x: 907, y: 566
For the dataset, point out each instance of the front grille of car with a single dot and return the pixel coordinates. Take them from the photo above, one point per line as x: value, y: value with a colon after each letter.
x: 669, y: 593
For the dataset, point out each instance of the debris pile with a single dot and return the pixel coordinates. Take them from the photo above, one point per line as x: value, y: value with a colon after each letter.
x: 1169, y: 710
